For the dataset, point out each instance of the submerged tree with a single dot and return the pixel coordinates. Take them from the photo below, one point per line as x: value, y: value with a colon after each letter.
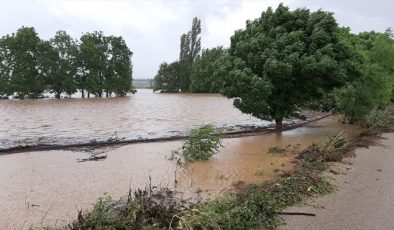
x: 118, y: 76
x: 20, y: 66
x: 61, y: 65
x: 283, y: 60
x: 29, y: 65
x: 93, y: 59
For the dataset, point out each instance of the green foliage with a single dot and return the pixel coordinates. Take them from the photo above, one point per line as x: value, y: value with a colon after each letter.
x: 372, y: 54
x: 333, y: 142
x: 232, y: 212
x: 20, y: 65
x: 145, y: 209
x: 93, y: 49
x: 283, y: 60
x: 118, y: 75
x: 202, y: 144
x: 379, y: 120
x: 61, y: 63
x: 30, y: 65
x: 175, y: 77
x: 190, y: 49
x: 204, y: 77
x: 167, y: 78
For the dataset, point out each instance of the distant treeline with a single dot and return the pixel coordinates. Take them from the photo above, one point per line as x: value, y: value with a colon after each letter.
x: 95, y: 64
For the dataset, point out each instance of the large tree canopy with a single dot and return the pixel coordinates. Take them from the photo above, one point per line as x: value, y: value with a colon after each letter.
x: 20, y: 65
x: 283, y: 60
x: 62, y: 61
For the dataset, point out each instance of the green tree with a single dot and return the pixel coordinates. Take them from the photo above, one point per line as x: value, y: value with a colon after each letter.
x: 282, y: 60
x: 190, y: 49
x: 204, y: 77
x: 64, y: 65
x: 21, y: 52
x: 118, y: 76
x: 167, y: 78
x: 5, y: 69
x: 374, y: 84
x: 93, y: 59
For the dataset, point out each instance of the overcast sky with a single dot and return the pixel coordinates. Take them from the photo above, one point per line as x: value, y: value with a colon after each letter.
x: 152, y: 28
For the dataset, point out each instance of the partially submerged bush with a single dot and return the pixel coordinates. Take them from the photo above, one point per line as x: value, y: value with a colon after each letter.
x: 287, y: 149
x: 276, y: 149
x: 379, y: 120
x: 327, y: 150
x: 202, y: 144
x: 333, y: 142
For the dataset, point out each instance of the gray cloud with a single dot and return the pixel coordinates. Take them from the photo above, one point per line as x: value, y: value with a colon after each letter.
x: 152, y: 28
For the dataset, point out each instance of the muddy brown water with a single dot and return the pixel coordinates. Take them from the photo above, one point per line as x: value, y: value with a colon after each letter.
x: 141, y: 115
x: 41, y: 188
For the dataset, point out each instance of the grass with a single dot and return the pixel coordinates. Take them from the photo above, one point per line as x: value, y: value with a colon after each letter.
x: 252, y: 207
x: 286, y: 149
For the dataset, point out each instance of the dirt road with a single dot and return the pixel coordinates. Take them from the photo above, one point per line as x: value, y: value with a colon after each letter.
x: 365, y: 195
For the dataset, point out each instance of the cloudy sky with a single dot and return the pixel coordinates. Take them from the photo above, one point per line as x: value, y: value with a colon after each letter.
x: 152, y: 28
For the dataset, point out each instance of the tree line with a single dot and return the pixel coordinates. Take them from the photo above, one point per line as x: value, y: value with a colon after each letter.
x: 94, y: 65
x: 287, y: 60
x: 193, y: 71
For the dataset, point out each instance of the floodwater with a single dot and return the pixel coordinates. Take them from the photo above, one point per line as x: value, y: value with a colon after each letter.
x: 141, y: 115
x: 41, y: 188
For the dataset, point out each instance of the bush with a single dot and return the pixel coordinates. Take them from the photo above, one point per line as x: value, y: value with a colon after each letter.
x: 333, y: 142
x: 202, y: 144
x: 150, y: 208
x: 379, y: 119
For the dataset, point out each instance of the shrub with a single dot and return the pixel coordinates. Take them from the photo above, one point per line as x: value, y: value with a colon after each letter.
x: 379, y: 119
x: 202, y: 144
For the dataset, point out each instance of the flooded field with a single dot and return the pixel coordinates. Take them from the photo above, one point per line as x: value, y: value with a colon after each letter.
x: 141, y: 115
x: 49, y: 187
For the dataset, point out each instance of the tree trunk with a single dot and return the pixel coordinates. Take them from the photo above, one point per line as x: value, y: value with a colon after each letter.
x: 83, y: 93
x: 88, y: 94
x: 57, y: 95
x: 279, y: 124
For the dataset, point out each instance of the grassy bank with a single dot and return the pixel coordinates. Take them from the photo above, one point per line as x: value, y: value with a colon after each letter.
x: 251, y: 207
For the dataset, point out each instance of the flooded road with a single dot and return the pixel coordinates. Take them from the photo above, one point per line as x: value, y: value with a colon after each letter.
x: 141, y: 115
x: 48, y: 187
